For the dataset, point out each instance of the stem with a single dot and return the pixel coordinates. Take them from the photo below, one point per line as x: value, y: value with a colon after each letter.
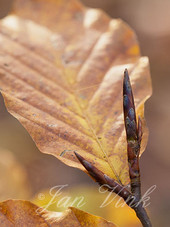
x: 138, y: 207
x: 142, y: 215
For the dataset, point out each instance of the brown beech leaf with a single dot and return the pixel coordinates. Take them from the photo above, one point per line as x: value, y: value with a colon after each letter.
x: 61, y: 73
x: 21, y: 213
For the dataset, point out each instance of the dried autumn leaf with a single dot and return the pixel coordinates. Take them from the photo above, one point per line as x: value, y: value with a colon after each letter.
x: 61, y: 77
x: 25, y: 214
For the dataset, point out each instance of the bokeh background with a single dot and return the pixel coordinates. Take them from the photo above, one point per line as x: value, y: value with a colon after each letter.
x: 24, y: 171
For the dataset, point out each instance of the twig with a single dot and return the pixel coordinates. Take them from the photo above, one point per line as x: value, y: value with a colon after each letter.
x: 133, y: 136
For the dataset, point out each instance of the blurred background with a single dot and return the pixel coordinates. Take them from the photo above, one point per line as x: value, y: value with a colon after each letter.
x: 28, y: 172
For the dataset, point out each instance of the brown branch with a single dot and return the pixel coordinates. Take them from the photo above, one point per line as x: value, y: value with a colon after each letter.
x: 133, y: 136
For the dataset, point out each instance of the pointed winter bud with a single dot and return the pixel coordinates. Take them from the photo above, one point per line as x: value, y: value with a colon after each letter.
x: 103, y: 179
x: 96, y: 174
x: 129, y: 109
x: 118, y: 188
x: 133, y: 131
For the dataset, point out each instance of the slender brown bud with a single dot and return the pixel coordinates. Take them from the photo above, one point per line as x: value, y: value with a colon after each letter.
x: 103, y: 179
x: 133, y: 131
x: 129, y: 109
x: 96, y: 174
